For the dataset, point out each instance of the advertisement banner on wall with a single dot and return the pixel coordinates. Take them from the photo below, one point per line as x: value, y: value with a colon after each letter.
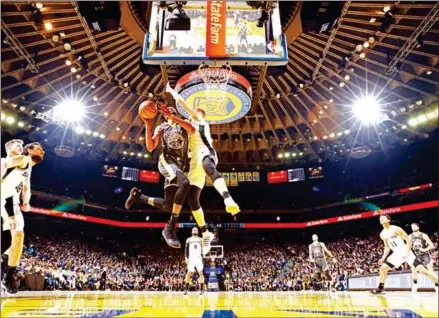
x: 277, y: 176
x: 111, y: 171
x: 399, y: 281
x: 233, y: 179
x: 149, y: 176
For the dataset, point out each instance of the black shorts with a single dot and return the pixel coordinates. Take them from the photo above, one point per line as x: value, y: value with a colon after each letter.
x: 169, y: 168
x: 423, y: 259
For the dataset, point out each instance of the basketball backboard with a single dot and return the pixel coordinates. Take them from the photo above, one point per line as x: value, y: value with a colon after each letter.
x: 218, y: 33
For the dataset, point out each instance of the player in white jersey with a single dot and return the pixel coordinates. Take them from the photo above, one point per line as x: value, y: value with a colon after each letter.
x: 16, y: 181
x: 397, y: 250
x: 203, y: 163
x: 194, y: 259
x: 421, y: 247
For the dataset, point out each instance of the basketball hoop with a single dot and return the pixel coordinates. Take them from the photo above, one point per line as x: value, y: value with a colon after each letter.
x: 215, y: 77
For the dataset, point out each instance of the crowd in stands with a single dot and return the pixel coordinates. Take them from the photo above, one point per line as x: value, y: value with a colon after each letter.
x: 70, y: 264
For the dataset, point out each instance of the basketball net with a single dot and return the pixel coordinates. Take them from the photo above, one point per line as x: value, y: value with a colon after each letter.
x: 215, y: 77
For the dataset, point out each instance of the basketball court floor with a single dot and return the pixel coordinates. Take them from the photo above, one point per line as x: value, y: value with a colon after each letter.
x: 221, y: 305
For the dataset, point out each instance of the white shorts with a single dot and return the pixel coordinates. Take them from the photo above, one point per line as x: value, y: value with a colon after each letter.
x: 18, y: 215
x: 197, y: 175
x: 399, y: 257
x: 196, y: 263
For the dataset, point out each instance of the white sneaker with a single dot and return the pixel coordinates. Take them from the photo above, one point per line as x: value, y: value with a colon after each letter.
x: 207, y: 239
x: 414, y: 288
x: 231, y: 206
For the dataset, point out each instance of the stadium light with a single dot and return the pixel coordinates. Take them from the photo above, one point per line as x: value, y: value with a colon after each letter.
x: 69, y: 110
x: 79, y: 130
x: 367, y: 110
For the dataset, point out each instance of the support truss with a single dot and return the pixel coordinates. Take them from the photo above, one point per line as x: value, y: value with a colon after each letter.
x: 412, y: 41
x: 330, y: 39
x: 92, y: 41
x: 19, y: 49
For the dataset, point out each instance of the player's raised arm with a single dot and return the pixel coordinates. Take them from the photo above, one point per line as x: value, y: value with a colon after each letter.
x: 182, y: 102
x: 187, y: 125
x: 151, y: 140
x: 17, y: 161
x: 25, y: 196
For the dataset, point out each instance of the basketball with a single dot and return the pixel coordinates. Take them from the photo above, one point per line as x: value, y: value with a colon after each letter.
x: 147, y: 110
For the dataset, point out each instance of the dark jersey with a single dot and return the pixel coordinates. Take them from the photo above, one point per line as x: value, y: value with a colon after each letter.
x: 418, y: 242
x: 317, y: 251
x: 175, y: 141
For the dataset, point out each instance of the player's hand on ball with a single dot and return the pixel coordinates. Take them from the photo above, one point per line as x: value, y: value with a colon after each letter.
x: 25, y: 207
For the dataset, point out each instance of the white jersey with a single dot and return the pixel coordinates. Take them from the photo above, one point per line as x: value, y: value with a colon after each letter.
x: 396, y: 243
x: 201, y: 138
x: 194, y: 247
x: 13, y: 181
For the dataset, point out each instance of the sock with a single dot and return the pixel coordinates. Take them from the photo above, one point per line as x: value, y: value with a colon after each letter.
x: 199, y: 217
x: 415, y: 281
x: 144, y: 198
x: 221, y: 187
x: 381, y: 286
x: 203, y: 229
x: 173, y: 220
x: 10, y: 273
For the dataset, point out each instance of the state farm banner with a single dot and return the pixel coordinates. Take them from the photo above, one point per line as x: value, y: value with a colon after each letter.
x: 419, y: 187
x: 216, y: 29
x: 277, y: 225
x: 277, y: 176
x: 149, y: 176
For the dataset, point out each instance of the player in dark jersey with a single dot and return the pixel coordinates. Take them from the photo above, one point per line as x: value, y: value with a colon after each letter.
x: 421, y: 247
x: 172, y: 163
x: 317, y: 256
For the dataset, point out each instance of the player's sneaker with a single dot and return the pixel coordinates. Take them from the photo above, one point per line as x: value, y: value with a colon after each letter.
x: 10, y: 286
x: 207, y: 239
x: 185, y: 292
x: 231, y: 206
x: 133, y: 198
x: 201, y: 292
x: 170, y: 236
x: 414, y: 288
x: 436, y: 288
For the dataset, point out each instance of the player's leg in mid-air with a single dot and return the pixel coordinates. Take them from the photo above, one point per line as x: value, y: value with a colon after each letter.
x: 423, y: 265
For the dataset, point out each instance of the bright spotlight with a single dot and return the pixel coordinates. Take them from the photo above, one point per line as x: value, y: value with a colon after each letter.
x: 48, y: 26
x: 69, y: 110
x: 422, y: 118
x: 367, y: 110
x: 413, y: 122
x: 79, y: 130
x: 10, y: 120
x: 20, y: 124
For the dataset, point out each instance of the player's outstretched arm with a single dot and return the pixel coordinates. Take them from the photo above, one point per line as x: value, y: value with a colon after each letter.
x: 182, y: 102
x: 151, y: 140
x: 399, y: 231
x: 16, y: 161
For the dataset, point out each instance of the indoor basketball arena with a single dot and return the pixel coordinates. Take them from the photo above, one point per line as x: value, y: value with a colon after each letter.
x: 219, y: 159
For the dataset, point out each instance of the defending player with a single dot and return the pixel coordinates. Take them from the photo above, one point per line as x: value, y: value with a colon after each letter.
x: 421, y: 245
x: 16, y: 181
x: 194, y: 259
x: 397, y: 251
x: 317, y: 255
x: 172, y: 163
x: 204, y: 158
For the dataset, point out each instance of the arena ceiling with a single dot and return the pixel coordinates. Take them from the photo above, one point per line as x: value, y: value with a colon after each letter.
x: 300, y: 114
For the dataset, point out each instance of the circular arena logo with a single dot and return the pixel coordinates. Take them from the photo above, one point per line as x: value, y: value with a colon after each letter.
x: 221, y: 106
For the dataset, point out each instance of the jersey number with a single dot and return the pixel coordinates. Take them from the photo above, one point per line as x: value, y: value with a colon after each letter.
x: 393, y: 244
x: 19, y: 187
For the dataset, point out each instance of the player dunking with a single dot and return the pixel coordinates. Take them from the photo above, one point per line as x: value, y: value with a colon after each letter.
x: 317, y: 252
x: 172, y: 163
x: 194, y: 259
x: 16, y: 172
x: 421, y: 247
x: 396, y: 250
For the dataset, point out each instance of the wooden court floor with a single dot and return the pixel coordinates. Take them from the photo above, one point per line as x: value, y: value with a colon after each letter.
x: 219, y: 305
